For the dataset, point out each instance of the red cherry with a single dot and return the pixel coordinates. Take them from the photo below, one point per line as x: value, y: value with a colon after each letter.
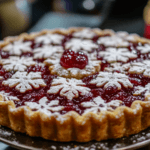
x: 71, y: 59
x: 81, y: 60
x: 67, y: 59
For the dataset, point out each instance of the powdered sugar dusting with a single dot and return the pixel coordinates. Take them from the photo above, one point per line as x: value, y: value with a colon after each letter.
x: 107, y: 79
x: 79, y: 44
x: 6, y: 97
x: 45, y: 106
x: 17, y: 64
x: 47, y: 51
x: 17, y: 47
x: 22, y: 81
x: 50, y: 38
x: 117, y: 54
x: 85, y: 33
x: 113, y: 41
x: 69, y: 88
x: 98, y: 105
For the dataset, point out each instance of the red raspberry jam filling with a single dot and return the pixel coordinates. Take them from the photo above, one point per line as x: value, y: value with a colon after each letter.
x: 70, y: 59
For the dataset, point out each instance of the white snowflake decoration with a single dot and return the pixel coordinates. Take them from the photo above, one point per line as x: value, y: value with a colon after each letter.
x: 141, y: 67
x: 85, y: 33
x: 122, y: 34
x: 45, y: 106
x: 117, y: 54
x: 144, y: 49
x: 17, y: 63
x: 47, y: 51
x: 6, y: 97
x: 23, y: 81
x: 70, y: 88
x: 79, y: 44
x: 18, y: 47
x: 107, y: 79
x: 50, y: 38
x: 118, y: 67
x: 93, y: 66
x: 98, y: 105
x: 140, y: 89
x: 112, y: 41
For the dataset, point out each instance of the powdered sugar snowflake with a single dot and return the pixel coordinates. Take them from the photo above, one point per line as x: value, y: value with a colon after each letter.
x: 17, y: 63
x: 79, y: 44
x: 85, y: 33
x: 98, y: 105
x: 92, y: 67
x: 6, y: 97
x: 49, y: 38
x: 45, y: 106
x: 140, y: 89
x: 23, y: 81
x: 122, y: 34
x: 46, y: 51
x: 117, y: 54
x: 141, y: 67
x: 107, y: 79
x: 122, y: 68
x: 112, y: 41
x: 17, y: 47
x: 69, y: 88
x: 144, y: 49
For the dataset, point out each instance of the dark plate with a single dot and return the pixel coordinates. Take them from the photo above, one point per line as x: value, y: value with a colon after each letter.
x: 25, y: 142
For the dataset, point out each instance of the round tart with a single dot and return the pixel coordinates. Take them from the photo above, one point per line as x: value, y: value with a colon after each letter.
x: 76, y: 84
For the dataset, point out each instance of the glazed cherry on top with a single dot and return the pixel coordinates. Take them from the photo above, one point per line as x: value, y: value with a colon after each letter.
x: 70, y: 59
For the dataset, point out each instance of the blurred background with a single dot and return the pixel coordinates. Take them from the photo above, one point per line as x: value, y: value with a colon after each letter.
x: 18, y: 16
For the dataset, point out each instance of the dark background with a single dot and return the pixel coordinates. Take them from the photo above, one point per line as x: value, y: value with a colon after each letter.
x: 123, y: 15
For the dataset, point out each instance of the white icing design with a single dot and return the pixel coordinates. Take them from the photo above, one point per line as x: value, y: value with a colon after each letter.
x: 98, y: 105
x: 17, y: 47
x: 23, y: 81
x: 122, y: 34
x: 47, y: 51
x: 85, y: 33
x: 112, y: 41
x: 50, y: 38
x: 144, y: 49
x: 17, y: 63
x: 55, y: 67
x: 141, y: 67
x: 107, y: 79
x: 118, y: 67
x: 7, y: 97
x: 45, y: 106
x: 79, y: 44
x: 70, y: 88
x: 141, y: 89
x: 117, y: 54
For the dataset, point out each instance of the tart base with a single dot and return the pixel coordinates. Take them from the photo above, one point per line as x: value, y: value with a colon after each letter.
x: 123, y: 121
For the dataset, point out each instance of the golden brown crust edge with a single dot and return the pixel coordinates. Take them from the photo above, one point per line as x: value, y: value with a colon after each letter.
x: 123, y: 121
